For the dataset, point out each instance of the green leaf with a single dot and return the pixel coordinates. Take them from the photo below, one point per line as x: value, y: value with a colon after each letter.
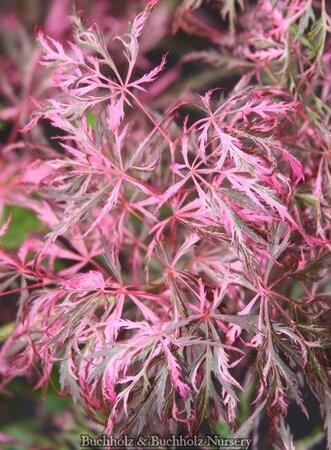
x: 54, y: 403
x: 91, y: 119
x: 222, y: 429
x: 23, y: 223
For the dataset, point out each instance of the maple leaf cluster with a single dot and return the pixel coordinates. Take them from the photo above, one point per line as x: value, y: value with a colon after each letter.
x: 184, y: 252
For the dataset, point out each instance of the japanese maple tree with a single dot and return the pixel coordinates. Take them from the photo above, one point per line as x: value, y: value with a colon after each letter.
x: 184, y: 252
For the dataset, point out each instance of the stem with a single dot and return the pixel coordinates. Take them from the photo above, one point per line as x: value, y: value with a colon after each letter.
x: 151, y: 118
x: 13, y: 291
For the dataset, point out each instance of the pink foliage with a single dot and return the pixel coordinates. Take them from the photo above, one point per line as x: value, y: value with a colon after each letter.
x: 174, y: 225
